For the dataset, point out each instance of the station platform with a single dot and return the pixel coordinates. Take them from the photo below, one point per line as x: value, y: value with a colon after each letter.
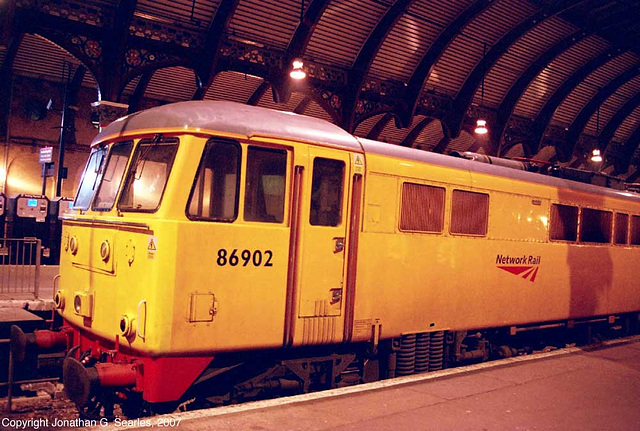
x: 27, y: 300
x: 567, y: 389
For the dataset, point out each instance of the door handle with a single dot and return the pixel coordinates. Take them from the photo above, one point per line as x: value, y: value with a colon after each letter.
x: 336, y: 295
x: 339, y: 244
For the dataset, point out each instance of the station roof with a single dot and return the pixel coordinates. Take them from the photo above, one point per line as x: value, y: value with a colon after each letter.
x: 554, y: 78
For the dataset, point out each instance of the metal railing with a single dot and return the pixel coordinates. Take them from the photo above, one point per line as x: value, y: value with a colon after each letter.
x: 20, y: 261
x: 20, y: 266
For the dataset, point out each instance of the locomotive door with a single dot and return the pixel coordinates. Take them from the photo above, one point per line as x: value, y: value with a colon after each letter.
x: 323, y: 230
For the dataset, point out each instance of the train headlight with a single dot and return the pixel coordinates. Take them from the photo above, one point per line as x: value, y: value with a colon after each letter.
x: 126, y: 326
x: 105, y: 251
x: 58, y: 300
x: 82, y: 303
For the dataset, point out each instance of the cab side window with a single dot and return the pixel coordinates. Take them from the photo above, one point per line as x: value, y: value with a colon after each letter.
x: 265, y: 185
x: 326, y: 192
x: 214, y: 195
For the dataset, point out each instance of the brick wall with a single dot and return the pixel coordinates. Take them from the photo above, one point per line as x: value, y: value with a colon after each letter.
x: 31, y: 126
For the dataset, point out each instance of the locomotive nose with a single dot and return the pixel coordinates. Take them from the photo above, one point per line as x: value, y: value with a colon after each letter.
x: 79, y: 381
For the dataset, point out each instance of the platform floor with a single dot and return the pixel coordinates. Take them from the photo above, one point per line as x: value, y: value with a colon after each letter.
x: 568, y: 389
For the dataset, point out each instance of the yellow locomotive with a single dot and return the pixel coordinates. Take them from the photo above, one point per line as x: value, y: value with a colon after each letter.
x: 223, y: 251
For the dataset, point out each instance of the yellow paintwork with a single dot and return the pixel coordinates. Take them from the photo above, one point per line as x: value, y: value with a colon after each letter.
x: 162, y: 271
x: 178, y: 279
x: 416, y: 282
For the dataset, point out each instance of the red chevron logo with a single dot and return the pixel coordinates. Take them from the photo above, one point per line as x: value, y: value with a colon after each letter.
x: 528, y: 272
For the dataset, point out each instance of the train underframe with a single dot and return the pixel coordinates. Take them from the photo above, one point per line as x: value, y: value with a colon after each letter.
x: 99, y: 378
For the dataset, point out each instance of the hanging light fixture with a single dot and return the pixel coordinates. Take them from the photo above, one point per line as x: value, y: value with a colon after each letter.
x: 481, y: 123
x: 297, y: 72
x: 481, y: 126
x: 595, y: 154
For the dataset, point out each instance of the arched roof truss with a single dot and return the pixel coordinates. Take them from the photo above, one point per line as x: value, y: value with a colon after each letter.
x: 413, y: 72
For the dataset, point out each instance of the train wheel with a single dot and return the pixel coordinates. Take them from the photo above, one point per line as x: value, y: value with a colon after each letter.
x: 98, y: 407
x: 134, y: 406
x: 81, y: 384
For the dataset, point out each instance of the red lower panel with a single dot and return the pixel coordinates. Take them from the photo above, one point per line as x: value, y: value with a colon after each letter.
x: 160, y: 379
x: 166, y: 379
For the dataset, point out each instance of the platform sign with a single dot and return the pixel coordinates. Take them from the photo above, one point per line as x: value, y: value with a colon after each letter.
x: 46, y: 155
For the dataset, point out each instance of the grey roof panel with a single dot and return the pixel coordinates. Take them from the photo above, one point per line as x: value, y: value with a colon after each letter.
x: 232, y: 117
x: 381, y: 148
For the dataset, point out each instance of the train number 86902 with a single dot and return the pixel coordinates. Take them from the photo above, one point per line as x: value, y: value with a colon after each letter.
x: 244, y: 257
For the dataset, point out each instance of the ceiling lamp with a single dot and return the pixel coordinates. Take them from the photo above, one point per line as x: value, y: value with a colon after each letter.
x: 297, y: 72
x: 481, y: 123
x: 481, y: 127
x: 595, y: 154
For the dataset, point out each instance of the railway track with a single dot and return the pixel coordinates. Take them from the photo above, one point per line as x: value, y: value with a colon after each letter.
x: 53, y: 410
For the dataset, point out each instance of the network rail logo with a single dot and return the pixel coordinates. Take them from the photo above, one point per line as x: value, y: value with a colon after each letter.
x: 523, y: 266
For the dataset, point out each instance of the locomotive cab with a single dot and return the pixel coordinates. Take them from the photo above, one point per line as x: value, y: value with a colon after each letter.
x: 189, y: 243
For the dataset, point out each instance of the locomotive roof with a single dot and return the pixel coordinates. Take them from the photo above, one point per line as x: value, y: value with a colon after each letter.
x: 235, y: 118
x: 390, y: 150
